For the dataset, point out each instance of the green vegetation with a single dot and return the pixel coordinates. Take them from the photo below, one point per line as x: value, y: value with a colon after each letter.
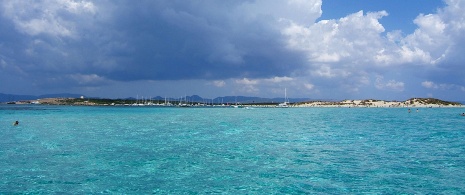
x: 86, y: 101
x: 96, y: 101
x: 432, y: 101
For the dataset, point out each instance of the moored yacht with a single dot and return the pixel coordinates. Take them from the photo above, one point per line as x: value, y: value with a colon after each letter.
x: 285, y: 104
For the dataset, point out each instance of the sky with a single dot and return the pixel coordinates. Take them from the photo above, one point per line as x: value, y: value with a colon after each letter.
x: 316, y: 49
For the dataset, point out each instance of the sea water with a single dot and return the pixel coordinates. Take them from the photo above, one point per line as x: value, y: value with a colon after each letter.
x: 153, y: 150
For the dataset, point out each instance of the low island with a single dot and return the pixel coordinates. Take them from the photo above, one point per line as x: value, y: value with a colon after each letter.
x: 413, y: 102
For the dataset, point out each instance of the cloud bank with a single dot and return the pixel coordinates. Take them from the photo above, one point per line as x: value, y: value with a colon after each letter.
x: 241, y: 47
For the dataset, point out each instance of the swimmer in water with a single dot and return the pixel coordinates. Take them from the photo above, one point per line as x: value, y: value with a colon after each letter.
x: 16, y: 123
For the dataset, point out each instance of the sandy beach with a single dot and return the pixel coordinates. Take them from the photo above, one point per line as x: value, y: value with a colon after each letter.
x: 414, y: 102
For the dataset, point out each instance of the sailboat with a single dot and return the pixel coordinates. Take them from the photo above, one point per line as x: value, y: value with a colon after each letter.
x: 285, y: 104
x: 236, y: 105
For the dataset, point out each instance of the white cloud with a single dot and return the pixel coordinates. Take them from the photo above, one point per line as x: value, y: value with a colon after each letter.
x: 428, y: 43
x: 277, y: 79
x: 78, y: 6
x: 301, y: 12
x: 84, y: 79
x: 324, y: 71
x: 391, y: 85
x: 249, y: 89
x: 438, y: 36
x: 429, y: 84
x: 45, y: 17
x: 349, y: 48
x: 249, y: 86
x: 441, y: 86
x: 395, y: 85
x: 247, y: 81
x: 220, y: 83
x: 309, y: 86
x: 355, y: 37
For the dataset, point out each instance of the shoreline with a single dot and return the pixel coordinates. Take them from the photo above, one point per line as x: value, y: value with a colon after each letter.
x: 370, y: 103
x: 411, y: 103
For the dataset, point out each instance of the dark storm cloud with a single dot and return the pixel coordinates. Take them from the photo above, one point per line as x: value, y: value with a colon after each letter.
x: 189, y: 41
x: 148, y: 40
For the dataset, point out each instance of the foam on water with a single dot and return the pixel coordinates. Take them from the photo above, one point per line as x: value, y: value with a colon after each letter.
x: 224, y: 150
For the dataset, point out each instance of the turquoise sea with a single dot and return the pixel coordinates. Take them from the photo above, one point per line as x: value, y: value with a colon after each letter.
x: 153, y: 150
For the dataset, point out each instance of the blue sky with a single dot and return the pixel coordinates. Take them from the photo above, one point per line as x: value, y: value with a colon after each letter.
x: 331, y: 49
x: 401, y: 12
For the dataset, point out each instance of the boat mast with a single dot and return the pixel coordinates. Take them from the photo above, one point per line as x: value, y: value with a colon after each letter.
x: 285, y: 95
